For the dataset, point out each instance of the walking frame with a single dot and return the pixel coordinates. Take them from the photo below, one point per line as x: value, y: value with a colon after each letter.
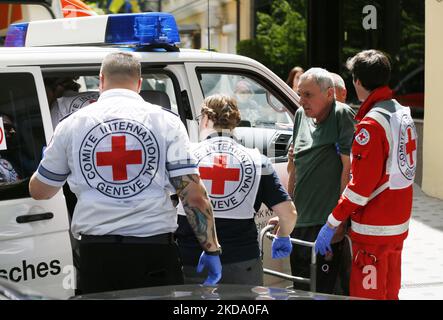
x: 266, y: 232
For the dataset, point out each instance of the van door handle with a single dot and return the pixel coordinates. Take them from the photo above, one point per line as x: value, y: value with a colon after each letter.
x: 34, y: 217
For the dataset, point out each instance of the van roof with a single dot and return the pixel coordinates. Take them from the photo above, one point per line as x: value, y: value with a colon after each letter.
x: 88, y: 55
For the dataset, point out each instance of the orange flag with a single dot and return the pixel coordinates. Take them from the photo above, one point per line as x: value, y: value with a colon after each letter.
x: 76, y: 8
x: 9, y: 13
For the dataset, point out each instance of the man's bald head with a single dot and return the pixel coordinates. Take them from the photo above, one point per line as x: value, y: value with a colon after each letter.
x: 340, y: 88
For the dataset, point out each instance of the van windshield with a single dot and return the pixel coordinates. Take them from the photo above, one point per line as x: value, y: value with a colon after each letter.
x: 252, y: 100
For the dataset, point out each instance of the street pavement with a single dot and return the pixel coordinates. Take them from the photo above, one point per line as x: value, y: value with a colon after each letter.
x: 422, y: 259
x: 422, y: 265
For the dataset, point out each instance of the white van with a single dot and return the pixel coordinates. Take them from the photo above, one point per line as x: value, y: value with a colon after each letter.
x: 35, y: 246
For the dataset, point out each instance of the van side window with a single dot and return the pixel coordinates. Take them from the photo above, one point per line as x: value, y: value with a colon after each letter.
x: 21, y: 134
x: 157, y: 88
x: 266, y: 123
x: 258, y: 107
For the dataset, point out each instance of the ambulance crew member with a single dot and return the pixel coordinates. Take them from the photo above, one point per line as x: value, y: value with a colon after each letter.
x: 121, y: 157
x: 379, y: 196
x: 64, y: 98
x: 238, y: 181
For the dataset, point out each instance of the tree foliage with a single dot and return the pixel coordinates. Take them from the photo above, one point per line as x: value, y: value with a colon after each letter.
x: 412, y: 51
x: 280, y: 37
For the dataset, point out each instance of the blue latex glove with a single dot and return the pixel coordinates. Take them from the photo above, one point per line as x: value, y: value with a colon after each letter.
x: 281, y: 247
x: 323, y: 241
x: 214, y: 268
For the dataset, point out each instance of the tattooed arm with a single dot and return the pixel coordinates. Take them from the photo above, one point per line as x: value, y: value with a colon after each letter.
x: 198, y: 209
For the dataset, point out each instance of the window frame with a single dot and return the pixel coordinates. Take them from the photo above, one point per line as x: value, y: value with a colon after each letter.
x: 146, y: 68
x: 265, y: 83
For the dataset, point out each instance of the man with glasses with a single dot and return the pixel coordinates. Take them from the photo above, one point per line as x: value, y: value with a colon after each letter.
x: 249, y: 109
x: 323, y: 132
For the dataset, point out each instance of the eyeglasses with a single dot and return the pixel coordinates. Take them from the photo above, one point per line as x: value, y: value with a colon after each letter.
x: 199, y: 117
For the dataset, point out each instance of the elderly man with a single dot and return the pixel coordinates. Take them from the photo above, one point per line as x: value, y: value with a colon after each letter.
x: 323, y: 132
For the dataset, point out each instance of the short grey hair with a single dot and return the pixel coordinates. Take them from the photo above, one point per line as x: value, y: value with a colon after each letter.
x: 321, y: 76
x: 121, y: 66
x: 338, y: 81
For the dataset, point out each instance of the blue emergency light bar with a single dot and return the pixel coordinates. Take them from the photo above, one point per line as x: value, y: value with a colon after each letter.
x: 140, y: 29
x: 16, y: 35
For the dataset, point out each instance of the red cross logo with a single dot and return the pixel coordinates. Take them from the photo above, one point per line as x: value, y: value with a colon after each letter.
x: 219, y: 174
x: 119, y: 158
x: 361, y: 136
x: 411, y: 146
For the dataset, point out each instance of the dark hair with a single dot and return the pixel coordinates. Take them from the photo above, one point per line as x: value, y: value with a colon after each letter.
x: 292, y: 74
x: 68, y: 83
x: 4, y: 114
x: 371, y: 67
x: 222, y: 110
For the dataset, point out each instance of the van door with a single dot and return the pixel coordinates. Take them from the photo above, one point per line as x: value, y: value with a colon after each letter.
x: 35, y: 248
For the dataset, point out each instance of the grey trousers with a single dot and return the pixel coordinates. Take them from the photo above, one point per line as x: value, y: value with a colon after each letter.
x: 248, y: 272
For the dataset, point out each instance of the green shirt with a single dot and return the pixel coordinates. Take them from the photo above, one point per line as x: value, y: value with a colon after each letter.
x: 317, y: 149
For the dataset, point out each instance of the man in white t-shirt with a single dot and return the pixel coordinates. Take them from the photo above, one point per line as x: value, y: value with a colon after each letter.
x: 123, y: 157
x: 64, y: 97
x: 70, y: 102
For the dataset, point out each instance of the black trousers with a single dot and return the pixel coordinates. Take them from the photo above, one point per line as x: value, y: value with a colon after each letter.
x: 327, y: 270
x: 116, y: 263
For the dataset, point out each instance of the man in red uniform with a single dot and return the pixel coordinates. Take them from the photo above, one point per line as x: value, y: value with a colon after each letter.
x: 379, y: 196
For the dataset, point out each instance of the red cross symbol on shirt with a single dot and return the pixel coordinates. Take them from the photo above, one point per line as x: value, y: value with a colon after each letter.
x: 361, y: 136
x: 119, y: 158
x: 411, y: 146
x: 219, y: 174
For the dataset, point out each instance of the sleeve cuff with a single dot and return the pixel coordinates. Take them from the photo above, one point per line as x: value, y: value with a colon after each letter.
x: 332, y: 221
x: 183, y: 172
x: 49, y: 182
x: 50, y: 178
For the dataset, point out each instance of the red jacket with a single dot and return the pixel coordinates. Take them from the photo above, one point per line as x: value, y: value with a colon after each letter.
x: 378, y: 216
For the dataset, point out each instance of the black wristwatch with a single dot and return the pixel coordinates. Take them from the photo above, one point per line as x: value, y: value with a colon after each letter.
x: 214, y: 253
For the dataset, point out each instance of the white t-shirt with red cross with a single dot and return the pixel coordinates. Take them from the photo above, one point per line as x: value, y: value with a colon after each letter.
x: 231, y: 174
x: 118, y: 155
x: 70, y: 103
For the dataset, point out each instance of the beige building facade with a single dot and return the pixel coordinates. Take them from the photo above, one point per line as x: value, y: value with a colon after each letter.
x: 221, y: 23
x: 433, y: 134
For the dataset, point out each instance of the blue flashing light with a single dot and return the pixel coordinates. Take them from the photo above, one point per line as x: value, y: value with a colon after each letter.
x: 16, y: 35
x: 150, y: 28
